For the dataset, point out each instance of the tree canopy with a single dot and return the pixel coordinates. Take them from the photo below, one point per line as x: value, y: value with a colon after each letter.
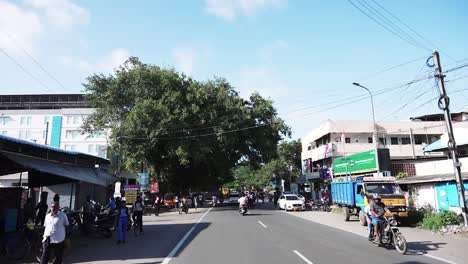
x: 192, y: 133
x: 286, y: 166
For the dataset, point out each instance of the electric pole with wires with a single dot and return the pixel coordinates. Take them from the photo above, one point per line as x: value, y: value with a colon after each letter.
x: 452, y: 146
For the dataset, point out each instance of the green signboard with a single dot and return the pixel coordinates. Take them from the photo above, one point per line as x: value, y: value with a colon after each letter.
x: 356, y: 163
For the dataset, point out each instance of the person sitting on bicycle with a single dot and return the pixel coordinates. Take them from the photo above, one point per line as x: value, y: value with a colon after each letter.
x: 137, y: 209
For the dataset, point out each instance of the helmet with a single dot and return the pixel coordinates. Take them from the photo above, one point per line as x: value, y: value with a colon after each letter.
x: 376, y: 196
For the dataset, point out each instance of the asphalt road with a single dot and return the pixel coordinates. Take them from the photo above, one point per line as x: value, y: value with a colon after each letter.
x: 222, y: 235
x: 271, y: 236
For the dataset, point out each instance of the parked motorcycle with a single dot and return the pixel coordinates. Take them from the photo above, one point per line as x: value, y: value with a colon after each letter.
x: 100, y: 224
x: 390, y: 235
x: 243, y: 210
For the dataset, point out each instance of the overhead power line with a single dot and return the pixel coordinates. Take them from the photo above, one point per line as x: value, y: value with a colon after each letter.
x: 33, y: 59
x: 392, y: 68
x: 411, y: 29
x: 382, y: 24
x: 391, y: 24
x: 25, y: 70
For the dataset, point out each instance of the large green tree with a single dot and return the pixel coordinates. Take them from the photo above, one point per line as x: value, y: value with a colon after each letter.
x: 287, y: 166
x: 192, y: 133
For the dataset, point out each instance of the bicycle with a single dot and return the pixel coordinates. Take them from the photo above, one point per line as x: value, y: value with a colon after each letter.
x: 137, y: 229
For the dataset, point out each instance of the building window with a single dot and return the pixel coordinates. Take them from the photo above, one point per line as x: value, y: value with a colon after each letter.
x: 91, y: 148
x: 309, y: 147
x: 383, y: 141
x: 101, y: 151
x: 347, y: 140
x: 72, y: 134
x: 394, y: 141
x: 405, y: 141
x: 370, y: 140
x: 4, y: 132
x: 46, y: 119
x: 25, y: 120
x: 4, y: 120
x: 25, y: 134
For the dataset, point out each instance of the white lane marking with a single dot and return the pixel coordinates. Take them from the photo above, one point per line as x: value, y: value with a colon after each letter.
x: 262, y: 224
x: 181, y: 242
x: 302, y: 257
x: 441, y: 259
x: 363, y: 235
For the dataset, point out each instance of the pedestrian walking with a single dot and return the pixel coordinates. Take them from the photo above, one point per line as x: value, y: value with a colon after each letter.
x: 138, y: 212
x: 156, y: 205
x: 195, y: 201
x: 123, y: 217
x: 57, y: 198
x: 41, y: 209
x: 54, y: 234
x: 28, y: 211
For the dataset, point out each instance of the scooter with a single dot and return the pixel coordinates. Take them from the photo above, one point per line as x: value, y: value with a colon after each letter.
x: 243, y: 209
x: 390, y: 235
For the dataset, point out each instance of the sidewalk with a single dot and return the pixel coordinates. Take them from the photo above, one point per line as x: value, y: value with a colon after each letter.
x: 450, y: 249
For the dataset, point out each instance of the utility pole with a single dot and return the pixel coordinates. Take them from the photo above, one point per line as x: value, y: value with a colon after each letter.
x: 452, y: 146
x: 46, y: 132
x: 375, y: 136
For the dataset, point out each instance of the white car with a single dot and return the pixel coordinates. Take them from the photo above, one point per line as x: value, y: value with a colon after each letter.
x: 301, y: 197
x: 291, y: 202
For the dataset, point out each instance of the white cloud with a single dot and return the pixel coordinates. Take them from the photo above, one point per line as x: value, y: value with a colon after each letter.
x: 19, y: 25
x: 263, y: 79
x: 105, y: 64
x: 184, y: 59
x: 61, y: 14
x: 230, y: 9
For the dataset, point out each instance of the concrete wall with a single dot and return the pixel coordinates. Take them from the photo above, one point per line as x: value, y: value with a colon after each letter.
x: 442, y: 167
x: 31, y: 125
x: 423, y: 195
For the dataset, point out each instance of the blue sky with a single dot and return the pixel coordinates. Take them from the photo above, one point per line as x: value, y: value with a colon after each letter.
x: 301, y: 54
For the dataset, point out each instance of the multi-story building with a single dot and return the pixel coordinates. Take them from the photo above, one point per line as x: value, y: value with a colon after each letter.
x: 404, y: 139
x: 51, y: 119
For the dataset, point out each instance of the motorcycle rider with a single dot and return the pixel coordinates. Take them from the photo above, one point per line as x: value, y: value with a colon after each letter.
x: 242, y: 201
x: 378, y: 210
x: 214, y: 200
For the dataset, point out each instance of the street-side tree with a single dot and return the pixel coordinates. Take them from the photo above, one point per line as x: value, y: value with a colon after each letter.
x: 192, y: 133
x: 287, y: 166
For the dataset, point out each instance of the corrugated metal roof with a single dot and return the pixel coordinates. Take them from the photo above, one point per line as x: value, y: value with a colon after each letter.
x: 46, y: 147
x: 430, y: 178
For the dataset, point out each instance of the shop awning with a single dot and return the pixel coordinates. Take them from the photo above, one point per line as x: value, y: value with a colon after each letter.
x: 430, y: 178
x: 45, y: 172
x: 461, y: 137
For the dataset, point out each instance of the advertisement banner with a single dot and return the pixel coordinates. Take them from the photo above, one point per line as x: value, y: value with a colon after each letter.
x: 154, y: 187
x: 356, y: 163
x: 131, y: 192
x: 144, y: 181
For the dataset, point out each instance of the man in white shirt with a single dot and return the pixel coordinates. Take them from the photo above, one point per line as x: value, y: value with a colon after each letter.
x: 54, y: 234
x: 242, y: 200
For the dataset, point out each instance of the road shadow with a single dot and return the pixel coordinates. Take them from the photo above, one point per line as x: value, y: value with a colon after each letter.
x: 156, y: 242
x: 255, y: 214
x: 423, y: 247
